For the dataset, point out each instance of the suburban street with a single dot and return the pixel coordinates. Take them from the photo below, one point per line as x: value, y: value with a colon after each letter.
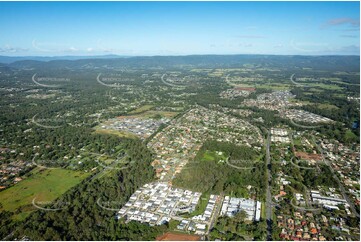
x: 216, y: 212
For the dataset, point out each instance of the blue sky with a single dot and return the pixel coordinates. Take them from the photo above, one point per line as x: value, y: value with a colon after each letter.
x: 179, y: 28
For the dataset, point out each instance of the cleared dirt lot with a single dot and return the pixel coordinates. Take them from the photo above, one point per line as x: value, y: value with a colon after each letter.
x: 308, y: 156
x: 178, y: 237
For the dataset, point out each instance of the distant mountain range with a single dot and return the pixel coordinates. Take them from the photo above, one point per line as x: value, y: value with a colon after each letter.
x: 330, y: 63
x: 11, y: 59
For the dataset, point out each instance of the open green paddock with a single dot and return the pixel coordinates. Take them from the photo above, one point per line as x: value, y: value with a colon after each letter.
x: 45, y: 185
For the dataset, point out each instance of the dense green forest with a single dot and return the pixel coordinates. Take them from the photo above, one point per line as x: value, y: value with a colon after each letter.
x: 212, y: 176
x: 236, y: 228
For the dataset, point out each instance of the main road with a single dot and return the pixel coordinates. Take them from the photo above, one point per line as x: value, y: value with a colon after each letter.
x: 268, y: 193
x: 216, y: 212
x: 342, y: 188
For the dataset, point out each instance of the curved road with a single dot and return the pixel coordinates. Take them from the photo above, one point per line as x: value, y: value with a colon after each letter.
x: 296, y: 83
x: 304, y: 126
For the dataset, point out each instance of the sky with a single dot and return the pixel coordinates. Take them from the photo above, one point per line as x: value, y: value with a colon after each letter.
x: 179, y: 28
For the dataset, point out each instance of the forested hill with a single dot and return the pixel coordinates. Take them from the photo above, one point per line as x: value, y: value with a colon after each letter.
x: 333, y: 63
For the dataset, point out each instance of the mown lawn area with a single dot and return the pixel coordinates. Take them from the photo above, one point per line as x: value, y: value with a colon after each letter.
x: 213, y: 156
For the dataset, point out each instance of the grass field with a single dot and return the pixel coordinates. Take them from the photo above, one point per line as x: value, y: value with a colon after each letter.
x: 327, y: 106
x: 152, y: 114
x: 212, y: 155
x: 141, y: 109
x: 326, y: 86
x: 45, y: 185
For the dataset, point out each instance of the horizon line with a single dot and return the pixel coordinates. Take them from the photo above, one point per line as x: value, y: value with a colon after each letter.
x: 174, y: 55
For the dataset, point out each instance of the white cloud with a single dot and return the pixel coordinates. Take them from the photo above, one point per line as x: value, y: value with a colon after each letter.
x: 352, y: 22
x: 10, y: 49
